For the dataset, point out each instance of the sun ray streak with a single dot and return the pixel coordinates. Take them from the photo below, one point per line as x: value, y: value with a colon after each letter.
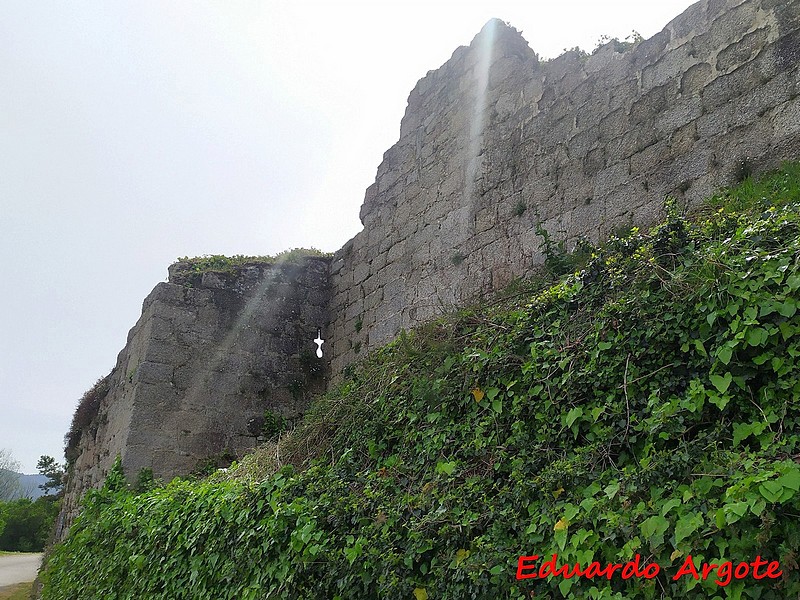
x: 245, y: 319
x: 477, y: 123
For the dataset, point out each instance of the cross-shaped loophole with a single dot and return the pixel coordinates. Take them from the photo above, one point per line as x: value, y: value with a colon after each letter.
x: 319, y: 341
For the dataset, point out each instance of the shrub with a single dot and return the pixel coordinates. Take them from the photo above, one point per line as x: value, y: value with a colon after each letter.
x: 84, y: 415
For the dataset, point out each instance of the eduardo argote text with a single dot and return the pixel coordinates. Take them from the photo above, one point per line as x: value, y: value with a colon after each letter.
x: 530, y: 567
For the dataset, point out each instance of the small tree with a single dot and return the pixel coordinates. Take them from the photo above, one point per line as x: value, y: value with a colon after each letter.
x: 115, y: 481
x: 28, y: 523
x: 54, y: 472
x: 9, y: 476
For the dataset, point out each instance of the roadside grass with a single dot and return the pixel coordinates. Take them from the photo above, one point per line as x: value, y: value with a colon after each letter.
x: 20, y: 591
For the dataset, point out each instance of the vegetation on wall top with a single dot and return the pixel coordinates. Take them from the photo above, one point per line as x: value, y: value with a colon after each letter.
x: 85, y: 413
x: 228, y: 264
x: 642, y: 408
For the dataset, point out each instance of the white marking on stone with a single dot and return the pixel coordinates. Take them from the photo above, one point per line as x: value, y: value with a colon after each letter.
x: 319, y: 341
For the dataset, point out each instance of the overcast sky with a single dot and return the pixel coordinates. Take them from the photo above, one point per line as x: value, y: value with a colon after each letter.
x: 133, y: 133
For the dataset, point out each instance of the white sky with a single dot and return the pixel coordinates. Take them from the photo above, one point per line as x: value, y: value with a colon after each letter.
x: 132, y: 133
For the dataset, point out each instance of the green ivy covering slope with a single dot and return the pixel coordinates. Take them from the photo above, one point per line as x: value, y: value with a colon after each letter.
x: 646, y: 405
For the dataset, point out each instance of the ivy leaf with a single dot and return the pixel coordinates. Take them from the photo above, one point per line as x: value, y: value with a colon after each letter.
x: 565, y: 586
x: 628, y: 549
x: 735, y: 511
x: 687, y: 525
x: 570, y: 512
x: 721, y: 383
x: 787, y: 309
x: 771, y: 490
x: 654, y: 528
x: 445, y: 467
x: 478, y: 394
x: 137, y: 560
x: 791, y: 480
x: 573, y: 415
x: 669, y: 505
x: 741, y: 431
x: 560, y: 535
x: 700, y: 348
x: 757, y: 506
x: 719, y: 519
x: 724, y: 354
x: 761, y: 358
x: 756, y: 336
x: 611, y: 489
x: 719, y: 401
x: 767, y: 308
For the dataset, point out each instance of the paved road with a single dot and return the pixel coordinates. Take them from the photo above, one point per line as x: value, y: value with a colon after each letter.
x: 18, y: 568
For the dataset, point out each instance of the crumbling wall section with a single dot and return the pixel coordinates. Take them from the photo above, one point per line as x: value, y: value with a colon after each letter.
x: 211, y: 353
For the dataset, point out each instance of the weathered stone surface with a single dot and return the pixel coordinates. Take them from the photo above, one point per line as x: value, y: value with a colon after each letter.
x: 578, y: 145
x: 200, y: 364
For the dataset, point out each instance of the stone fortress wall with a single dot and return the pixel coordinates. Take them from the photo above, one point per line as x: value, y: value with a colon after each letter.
x: 494, y: 145
x: 210, y: 354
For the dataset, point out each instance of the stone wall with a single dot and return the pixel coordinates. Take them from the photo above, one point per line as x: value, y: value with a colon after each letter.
x: 495, y: 143
x: 210, y: 354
